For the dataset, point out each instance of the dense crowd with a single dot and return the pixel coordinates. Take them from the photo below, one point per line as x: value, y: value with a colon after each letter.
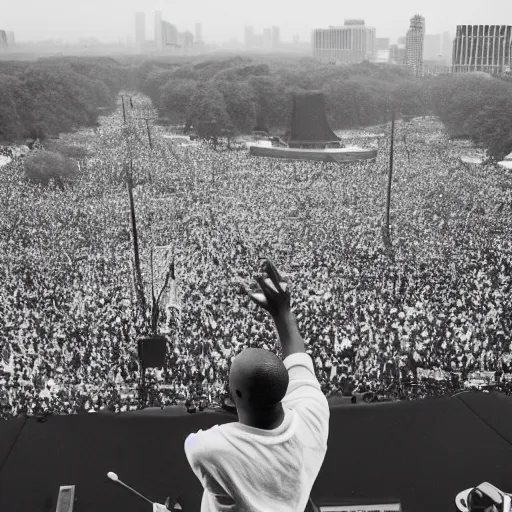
x: 68, y: 314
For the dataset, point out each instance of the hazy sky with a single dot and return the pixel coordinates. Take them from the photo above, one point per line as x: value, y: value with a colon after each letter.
x: 112, y: 20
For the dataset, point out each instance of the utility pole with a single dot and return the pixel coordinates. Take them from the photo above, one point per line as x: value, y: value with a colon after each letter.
x: 149, y: 133
x: 124, y: 112
x: 138, y: 274
x: 385, y: 228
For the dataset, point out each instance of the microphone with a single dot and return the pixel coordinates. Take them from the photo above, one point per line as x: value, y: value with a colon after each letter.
x: 115, y: 478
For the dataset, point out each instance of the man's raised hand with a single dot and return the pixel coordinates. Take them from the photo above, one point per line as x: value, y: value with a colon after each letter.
x: 270, y: 291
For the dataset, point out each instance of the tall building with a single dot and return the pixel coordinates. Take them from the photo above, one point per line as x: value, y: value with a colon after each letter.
x: 447, y: 48
x: 140, y: 29
x: 186, y: 39
x: 199, y: 33
x: 485, y: 48
x: 276, y: 38
x: 159, y: 39
x: 352, y: 43
x: 169, y: 34
x: 414, y: 45
x: 432, y: 47
x: 6, y: 40
x: 249, y: 35
x: 267, y: 38
x: 397, y: 54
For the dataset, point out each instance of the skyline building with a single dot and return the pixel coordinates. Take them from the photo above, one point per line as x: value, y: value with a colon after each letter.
x: 414, y: 42
x: 486, y: 48
x: 199, y: 33
x: 267, y: 39
x: 186, y: 39
x: 351, y: 43
x: 249, y: 36
x: 140, y: 29
x: 169, y: 34
x: 159, y: 40
x: 396, y: 54
x: 7, y: 40
x: 276, y: 37
x: 168, y: 37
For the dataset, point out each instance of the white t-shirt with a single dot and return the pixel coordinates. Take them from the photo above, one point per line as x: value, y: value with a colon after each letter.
x: 246, y: 469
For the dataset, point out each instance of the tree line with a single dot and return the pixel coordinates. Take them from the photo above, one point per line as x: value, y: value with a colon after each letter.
x: 252, y: 93
x: 240, y: 94
x: 54, y: 95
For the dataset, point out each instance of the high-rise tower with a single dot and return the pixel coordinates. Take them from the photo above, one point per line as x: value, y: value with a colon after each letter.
x: 414, y: 44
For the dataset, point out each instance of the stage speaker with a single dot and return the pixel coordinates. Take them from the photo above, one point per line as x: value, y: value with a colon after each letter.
x: 66, y: 499
x: 152, y: 351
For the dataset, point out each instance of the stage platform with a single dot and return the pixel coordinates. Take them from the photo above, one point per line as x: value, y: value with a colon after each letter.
x: 421, y: 453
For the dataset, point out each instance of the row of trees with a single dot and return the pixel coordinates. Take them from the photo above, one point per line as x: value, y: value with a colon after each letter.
x: 246, y: 94
x: 59, y: 94
x: 54, y: 95
x: 477, y: 107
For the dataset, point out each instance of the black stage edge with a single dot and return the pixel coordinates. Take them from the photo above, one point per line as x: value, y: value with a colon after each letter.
x: 421, y: 452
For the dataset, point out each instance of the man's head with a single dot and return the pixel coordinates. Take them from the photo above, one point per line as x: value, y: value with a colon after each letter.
x: 258, y: 380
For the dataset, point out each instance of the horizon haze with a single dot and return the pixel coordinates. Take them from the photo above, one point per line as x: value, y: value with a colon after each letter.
x: 114, y: 20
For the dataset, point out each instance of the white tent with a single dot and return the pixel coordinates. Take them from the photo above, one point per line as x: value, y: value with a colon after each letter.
x: 506, y: 163
x: 4, y: 160
x: 471, y: 159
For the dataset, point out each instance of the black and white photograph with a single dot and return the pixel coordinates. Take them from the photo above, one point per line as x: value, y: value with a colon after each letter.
x: 255, y: 256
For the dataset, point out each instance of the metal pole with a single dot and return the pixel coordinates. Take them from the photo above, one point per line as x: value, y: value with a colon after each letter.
x: 124, y: 112
x: 138, y: 275
x: 390, y: 174
x: 149, y: 133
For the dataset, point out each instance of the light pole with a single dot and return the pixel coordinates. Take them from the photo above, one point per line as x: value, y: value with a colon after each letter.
x: 386, y: 235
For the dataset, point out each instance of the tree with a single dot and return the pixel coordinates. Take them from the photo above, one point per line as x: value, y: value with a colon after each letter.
x: 273, y: 102
x: 43, y: 166
x: 208, y: 112
x: 175, y: 98
x: 240, y: 104
x: 10, y: 124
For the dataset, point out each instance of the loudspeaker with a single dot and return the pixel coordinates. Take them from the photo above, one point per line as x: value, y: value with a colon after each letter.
x: 152, y: 351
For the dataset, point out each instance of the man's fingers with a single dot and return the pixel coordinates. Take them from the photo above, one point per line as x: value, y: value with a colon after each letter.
x: 274, y: 275
x: 271, y: 285
x: 259, y: 299
x: 265, y: 286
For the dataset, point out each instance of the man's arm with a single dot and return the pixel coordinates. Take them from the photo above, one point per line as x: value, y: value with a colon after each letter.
x: 289, y: 335
x: 272, y: 294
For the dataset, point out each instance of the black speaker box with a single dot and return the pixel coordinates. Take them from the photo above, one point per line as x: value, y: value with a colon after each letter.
x: 152, y: 351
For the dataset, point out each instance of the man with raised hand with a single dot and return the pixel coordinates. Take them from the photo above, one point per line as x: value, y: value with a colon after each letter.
x: 268, y: 461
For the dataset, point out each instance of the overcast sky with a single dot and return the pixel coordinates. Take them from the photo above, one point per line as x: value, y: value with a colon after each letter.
x: 112, y: 20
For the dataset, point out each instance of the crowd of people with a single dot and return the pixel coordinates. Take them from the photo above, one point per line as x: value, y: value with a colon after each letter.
x: 375, y: 324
